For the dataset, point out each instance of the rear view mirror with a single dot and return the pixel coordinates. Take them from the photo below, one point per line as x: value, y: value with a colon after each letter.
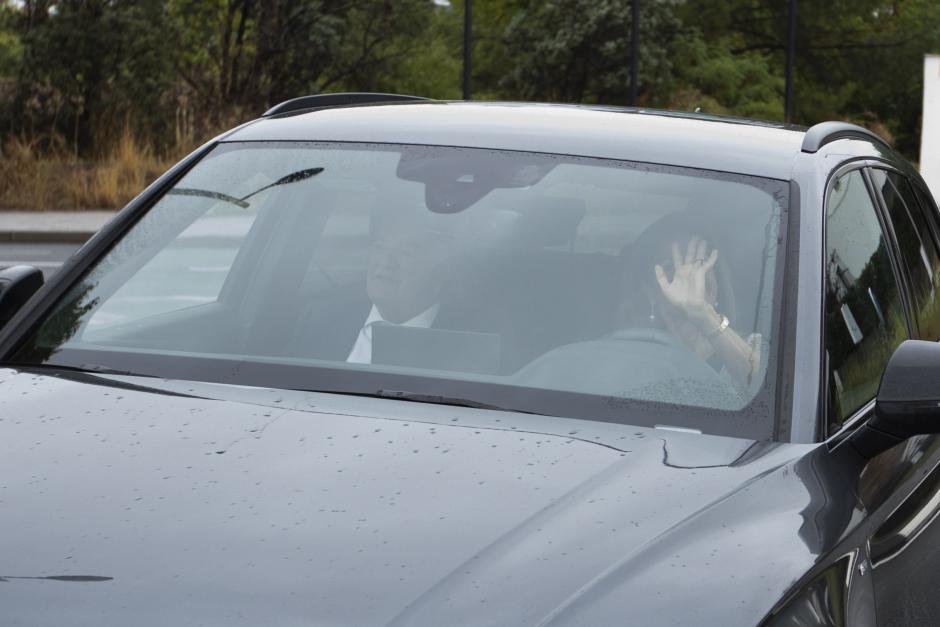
x: 454, y: 180
x: 17, y: 284
x: 908, y: 402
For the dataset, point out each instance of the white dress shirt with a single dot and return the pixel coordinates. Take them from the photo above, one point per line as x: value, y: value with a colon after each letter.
x: 361, y: 352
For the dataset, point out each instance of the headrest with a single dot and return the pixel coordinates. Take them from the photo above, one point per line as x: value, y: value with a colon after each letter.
x: 550, y: 221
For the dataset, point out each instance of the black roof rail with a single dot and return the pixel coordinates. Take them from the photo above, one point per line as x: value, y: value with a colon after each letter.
x: 821, y: 134
x: 335, y: 100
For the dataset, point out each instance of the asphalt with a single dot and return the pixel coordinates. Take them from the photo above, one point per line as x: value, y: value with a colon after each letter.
x: 58, y: 227
x: 45, y: 239
x: 47, y: 256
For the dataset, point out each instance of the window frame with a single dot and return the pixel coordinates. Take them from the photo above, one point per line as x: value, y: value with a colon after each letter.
x: 864, y: 166
x: 931, y: 211
x: 932, y: 226
x: 901, y: 273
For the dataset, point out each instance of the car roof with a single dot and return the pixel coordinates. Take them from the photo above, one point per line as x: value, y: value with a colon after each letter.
x: 691, y: 140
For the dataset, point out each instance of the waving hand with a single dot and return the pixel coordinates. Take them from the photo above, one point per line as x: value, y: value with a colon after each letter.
x: 687, y: 289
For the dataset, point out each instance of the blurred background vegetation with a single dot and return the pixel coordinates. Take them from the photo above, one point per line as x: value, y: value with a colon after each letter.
x: 97, y: 97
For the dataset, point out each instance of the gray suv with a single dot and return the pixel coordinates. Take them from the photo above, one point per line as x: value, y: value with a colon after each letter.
x: 380, y: 360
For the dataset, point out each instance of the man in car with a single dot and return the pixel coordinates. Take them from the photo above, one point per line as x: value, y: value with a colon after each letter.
x: 408, y: 265
x: 410, y: 262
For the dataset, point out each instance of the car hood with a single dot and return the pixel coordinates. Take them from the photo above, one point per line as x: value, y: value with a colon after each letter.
x: 148, y: 502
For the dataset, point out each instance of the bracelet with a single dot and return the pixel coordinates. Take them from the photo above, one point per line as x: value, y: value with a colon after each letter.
x: 722, y: 327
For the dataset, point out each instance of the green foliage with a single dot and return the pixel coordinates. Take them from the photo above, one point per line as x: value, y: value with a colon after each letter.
x: 243, y: 54
x: 75, y: 73
x: 381, y: 36
x: 11, y: 47
x: 238, y: 57
x: 860, y: 60
x: 579, y: 50
x: 429, y: 64
x: 713, y: 78
x: 93, y: 64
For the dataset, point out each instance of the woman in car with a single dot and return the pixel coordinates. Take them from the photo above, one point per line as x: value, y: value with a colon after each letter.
x: 688, y: 294
x: 676, y: 301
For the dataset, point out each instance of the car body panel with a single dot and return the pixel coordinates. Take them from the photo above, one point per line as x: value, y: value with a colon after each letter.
x: 218, y: 504
x: 199, y: 503
x: 899, y: 487
x: 646, y: 137
x: 903, y: 487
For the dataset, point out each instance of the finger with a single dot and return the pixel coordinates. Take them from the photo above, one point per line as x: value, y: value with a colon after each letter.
x: 701, y: 250
x: 661, y: 277
x: 676, y: 257
x: 690, y: 251
x: 712, y: 259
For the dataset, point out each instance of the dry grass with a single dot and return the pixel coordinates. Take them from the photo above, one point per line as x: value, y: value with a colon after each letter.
x: 30, y: 179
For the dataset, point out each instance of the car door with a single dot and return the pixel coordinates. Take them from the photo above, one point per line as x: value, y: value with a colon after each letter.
x: 872, y: 302
x: 881, y: 278
x: 902, y: 486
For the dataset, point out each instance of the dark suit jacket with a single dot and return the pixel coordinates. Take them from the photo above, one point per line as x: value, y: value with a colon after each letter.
x: 329, y: 328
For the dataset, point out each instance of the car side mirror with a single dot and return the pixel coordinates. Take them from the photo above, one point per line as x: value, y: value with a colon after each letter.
x: 908, y: 402
x: 17, y: 285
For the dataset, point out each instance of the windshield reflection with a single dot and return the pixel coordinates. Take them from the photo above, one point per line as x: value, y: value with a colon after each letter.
x: 649, y: 289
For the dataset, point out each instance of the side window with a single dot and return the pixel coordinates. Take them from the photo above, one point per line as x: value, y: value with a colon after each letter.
x: 864, y: 319
x: 917, y: 247
x: 929, y: 208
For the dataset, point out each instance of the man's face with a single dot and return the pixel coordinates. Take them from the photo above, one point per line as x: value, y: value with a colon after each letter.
x: 404, y: 276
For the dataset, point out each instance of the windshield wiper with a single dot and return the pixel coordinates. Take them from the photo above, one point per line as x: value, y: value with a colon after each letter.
x: 187, y: 191
x: 83, y: 369
x: 293, y: 177
x: 74, y: 578
x: 415, y: 397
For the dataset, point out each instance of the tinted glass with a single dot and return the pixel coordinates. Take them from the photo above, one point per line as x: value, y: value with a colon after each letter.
x: 930, y: 323
x: 929, y: 205
x: 554, y: 284
x: 917, y: 246
x: 864, y: 318
x: 931, y: 213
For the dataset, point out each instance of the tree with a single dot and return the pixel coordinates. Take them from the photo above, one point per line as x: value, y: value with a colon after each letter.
x: 238, y: 57
x: 713, y: 78
x: 856, y: 59
x: 579, y: 50
x: 11, y: 45
x: 75, y: 72
x: 11, y: 56
x: 88, y: 65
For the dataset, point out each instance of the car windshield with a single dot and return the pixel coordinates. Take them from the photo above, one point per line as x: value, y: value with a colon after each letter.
x: 572, y: 286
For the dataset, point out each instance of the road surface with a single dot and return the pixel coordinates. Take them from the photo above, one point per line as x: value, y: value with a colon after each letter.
x: 46, y: 257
